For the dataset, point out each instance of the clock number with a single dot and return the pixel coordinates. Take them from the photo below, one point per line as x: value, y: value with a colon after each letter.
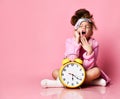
x: 67, y: 65
x: 77, y: 83
x: 80, y: 69
x: 62, y: 74
x: 72, y: 84
x: 64, y: 79
x: 72, y: 64
x: 67, y: 82
x: 64, y: 69
x: 82, y: 74
x: 80, y: 79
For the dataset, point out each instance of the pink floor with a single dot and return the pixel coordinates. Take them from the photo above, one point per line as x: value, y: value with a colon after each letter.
x: 28, y: 87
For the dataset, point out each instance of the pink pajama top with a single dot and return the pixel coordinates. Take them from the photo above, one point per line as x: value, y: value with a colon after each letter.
x: 74, y: 50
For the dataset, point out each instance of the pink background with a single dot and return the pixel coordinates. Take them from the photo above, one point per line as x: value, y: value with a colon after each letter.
x: 33, y: 33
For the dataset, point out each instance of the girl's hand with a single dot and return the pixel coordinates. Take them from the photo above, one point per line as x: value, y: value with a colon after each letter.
x: 77, y: 36
x: 86, y: 45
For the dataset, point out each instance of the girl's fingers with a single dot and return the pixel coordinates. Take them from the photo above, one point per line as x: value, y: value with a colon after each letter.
x: 83, y: 40
x: 81, y: 33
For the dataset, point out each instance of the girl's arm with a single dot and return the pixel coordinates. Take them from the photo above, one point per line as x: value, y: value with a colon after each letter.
x: 90, y: 60
x: 72, y: 49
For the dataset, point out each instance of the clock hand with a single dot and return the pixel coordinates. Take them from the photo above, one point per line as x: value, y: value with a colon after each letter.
x: 76, y: 77
x: 72, y: 75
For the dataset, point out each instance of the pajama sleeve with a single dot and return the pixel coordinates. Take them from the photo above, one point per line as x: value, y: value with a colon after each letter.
x: 89, y: 61
x: 72, y: 49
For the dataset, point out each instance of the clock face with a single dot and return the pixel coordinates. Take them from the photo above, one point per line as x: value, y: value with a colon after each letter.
x: 72, y: 75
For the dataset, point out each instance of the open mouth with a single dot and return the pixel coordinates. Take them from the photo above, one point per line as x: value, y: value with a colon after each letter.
x: 83, y: 32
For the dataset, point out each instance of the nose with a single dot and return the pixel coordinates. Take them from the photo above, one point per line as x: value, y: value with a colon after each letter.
x: 83, y: 28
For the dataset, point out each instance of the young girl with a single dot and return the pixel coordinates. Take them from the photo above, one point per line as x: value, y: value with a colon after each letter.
x: 82, y: 46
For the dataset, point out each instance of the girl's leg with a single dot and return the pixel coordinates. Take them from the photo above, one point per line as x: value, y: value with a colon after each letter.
x: 52, y: 83
x: 92, y: 77
x: 92, y: 74
x: 55, y: 73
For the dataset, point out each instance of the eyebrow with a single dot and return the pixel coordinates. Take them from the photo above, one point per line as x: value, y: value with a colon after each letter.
x: 85, y: 25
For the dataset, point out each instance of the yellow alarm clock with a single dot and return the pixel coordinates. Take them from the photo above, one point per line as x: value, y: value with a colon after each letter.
x: 72, y: 73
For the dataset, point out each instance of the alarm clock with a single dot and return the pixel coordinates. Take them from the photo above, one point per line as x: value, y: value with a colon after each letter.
x: 72, y: 73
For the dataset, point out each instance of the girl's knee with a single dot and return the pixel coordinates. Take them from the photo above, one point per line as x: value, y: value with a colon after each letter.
x: 93, y: 73
x: 55, y: 73
x: 96, y: 72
